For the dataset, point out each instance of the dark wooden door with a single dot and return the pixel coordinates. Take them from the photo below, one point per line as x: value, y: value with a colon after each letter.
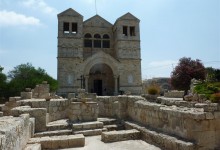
x: 98, y: 87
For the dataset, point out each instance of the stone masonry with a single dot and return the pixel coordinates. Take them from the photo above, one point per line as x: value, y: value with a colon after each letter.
x: 169, y: 123
x: 101, y: 57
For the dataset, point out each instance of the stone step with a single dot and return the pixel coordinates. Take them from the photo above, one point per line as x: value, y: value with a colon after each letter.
x: 122, y: 135
x: 160, y: 139
x: 53, y: 133
x: 57, y: 142
x: 111, y: 127
x: 58, y: 125
x: 107, y: 121
x: 35, y: 146
x: 87, y: 126
x: 90, y: 132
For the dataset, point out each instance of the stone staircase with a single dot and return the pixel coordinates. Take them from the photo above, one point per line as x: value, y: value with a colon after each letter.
x: 63, y: 134
x: 56, y: 128
x: 88, y: 128
x: 111, y: 124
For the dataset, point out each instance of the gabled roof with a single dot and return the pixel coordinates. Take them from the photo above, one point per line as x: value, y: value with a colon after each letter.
x: 70, y: 12
x: 97, y: 21
x: 128, y: 16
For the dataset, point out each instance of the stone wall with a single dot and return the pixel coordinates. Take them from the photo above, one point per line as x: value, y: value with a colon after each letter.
x: 38, y: 113
x: 174, y: 94
x: 185, y: 120
x: 82, y: 111
x: 65, y: 108
x: 115, y: 106
x: 15, y: 132
x: 187, y: 123
x: 57, y: 109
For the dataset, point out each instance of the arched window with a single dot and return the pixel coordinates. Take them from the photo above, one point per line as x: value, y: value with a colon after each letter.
x: 87, y: 40
x: 97, y: 41
x: 106, y: 41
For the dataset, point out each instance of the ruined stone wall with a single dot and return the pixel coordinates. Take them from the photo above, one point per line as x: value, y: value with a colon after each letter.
x: 115, y: 106
x: 82, y: 111
x: 174, y: 94
x: 15, y: 132
x: 188, y: 121
x: 38, y: 113
x: 57, y: 109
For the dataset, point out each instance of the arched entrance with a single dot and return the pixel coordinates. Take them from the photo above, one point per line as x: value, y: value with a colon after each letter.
x: 101, y: 80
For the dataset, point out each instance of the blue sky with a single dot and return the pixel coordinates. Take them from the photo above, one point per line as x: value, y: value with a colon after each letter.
x: 170, y: 30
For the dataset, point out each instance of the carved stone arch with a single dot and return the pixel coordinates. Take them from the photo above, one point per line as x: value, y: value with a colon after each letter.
x: 104, y: 58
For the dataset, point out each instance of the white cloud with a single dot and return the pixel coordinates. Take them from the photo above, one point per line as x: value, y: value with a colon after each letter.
x: 11, y: 18
x: 39, y: 5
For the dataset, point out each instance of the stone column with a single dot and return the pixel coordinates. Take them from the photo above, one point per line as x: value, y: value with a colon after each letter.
x: 116, y: 84
x: 86, y: 82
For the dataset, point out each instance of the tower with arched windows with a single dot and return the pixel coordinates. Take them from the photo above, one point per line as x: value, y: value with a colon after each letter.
x: 98, y: 56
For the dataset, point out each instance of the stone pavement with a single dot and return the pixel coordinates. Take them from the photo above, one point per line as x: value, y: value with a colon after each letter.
x: 95, y: 143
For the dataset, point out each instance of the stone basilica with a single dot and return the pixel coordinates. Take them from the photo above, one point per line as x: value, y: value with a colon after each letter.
x: 98, y: 56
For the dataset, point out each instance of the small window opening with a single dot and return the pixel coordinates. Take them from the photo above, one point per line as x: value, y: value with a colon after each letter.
x: 87, y: 43
x: 74, y: 28
x: 106, y: 41
x: 66, y: 27
x: 87, y: 40
x: 125, y: 30
x: 132, y: 31
x: 97, y: 41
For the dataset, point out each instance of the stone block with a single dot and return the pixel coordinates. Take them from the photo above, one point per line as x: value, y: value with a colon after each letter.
x: 211, y: 107
x: 57, y: 142
x: 26, y: 95
x: 14, y: 132
x: 38, y: 113
x: 122, y: 135
x: 217, y: 115
x: 14, y: 98
x: 209, y: 115
x: 1, y: 113
x: 89, y: 132
x: 71, y: 95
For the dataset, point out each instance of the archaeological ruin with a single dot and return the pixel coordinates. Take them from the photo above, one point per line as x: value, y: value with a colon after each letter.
x: 97, y: 61
x: 40, y: 120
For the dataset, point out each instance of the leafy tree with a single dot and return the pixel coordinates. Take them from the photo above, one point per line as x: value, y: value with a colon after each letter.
x: 186, y: 70
x: 212, y: 74
x: 3, y: 84
x: 25, y: 75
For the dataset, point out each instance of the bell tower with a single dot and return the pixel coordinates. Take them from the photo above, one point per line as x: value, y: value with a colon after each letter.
x: 70, y: 49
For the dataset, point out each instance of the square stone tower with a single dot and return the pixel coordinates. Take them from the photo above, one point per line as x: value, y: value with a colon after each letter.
x: 96, y: 55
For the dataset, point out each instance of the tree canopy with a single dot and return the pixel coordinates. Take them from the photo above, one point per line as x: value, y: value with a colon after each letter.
x: 26, y: 76
x: 3, y: 84
x: 212, y: 74
x: 185, y: 71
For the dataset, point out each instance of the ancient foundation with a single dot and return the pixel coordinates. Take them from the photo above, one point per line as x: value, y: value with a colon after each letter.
x: 169, y: 123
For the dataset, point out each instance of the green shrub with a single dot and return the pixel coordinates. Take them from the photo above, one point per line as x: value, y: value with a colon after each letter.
x: 207, y: 88
x: 215, y: 98
x: 153, y: 90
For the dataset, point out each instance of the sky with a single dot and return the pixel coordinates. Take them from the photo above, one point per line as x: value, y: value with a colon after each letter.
x: 170, y: 30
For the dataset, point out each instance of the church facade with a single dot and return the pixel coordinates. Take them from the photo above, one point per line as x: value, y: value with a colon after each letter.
x: 98, y: 56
